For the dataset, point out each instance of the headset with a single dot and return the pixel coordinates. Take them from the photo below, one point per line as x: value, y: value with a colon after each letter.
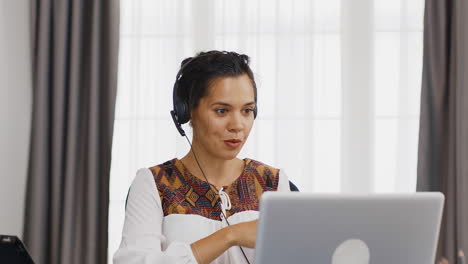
x: 181, y: 115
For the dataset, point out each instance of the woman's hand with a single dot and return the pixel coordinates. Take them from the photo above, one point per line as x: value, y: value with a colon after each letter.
x: 244, y: 234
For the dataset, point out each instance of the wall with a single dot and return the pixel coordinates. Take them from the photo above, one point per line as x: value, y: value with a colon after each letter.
x: 15, y: 112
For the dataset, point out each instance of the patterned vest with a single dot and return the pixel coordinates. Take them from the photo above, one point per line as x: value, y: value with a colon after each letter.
x: 183, y: 193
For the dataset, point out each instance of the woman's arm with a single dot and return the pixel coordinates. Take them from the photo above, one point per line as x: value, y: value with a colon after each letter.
x: 210, y: 247
x: 142, y: 236
x: 243, y: 234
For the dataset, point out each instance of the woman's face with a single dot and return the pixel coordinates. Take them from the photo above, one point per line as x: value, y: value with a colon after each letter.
x: 224, y: 117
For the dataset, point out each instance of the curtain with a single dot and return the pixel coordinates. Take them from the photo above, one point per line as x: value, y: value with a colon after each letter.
x: 74, y: 50
x: 443, y: 140
x: 338, y: 88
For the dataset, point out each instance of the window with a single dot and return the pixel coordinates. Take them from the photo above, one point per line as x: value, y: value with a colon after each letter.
x: 338, y: 88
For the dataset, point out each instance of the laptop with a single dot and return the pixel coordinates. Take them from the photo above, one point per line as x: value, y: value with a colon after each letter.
x: 348, y: 229
x: 13, y: 251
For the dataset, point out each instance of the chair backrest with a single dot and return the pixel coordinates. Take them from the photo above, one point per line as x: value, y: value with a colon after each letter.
x: 293, y: 187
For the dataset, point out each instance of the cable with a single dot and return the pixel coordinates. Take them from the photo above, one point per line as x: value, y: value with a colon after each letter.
x: 219, y: 199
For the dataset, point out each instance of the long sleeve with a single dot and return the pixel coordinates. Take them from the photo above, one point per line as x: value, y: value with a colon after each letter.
x: 142, y: 236
x: 283, y: 182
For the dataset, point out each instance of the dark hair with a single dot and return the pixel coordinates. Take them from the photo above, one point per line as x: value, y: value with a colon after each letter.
x: 204, y: 68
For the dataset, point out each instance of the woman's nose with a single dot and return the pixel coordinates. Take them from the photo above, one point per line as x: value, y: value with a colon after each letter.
x: 236, y: 122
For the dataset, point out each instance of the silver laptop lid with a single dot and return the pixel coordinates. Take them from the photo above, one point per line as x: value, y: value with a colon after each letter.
x: 351, y: 229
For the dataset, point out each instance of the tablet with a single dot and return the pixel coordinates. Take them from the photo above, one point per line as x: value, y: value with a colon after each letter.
x: 13, y: 251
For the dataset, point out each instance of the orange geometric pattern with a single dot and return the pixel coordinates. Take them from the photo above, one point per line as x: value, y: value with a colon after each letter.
x: 183, y: 193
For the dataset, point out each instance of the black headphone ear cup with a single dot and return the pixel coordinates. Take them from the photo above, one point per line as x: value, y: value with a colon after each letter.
x: 183, y: 114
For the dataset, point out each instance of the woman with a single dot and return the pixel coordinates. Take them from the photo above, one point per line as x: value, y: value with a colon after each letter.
x: 203, y: 208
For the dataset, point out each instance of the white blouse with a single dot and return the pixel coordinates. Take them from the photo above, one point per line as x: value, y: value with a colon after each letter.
x: 150, y: 237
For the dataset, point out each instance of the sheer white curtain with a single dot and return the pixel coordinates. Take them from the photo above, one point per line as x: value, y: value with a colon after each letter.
x: 338, y: 87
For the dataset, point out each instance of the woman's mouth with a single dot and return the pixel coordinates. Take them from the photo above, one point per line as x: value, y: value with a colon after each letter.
x: 232, y: 143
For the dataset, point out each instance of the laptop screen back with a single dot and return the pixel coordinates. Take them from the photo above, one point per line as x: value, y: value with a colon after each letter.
x: 351, y: 229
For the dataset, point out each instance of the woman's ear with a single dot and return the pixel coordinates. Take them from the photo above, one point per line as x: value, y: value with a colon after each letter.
x: 191, y: 119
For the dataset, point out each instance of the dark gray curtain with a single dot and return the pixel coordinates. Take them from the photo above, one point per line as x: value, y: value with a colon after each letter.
x: 443, y: 138
x: 74, y: 49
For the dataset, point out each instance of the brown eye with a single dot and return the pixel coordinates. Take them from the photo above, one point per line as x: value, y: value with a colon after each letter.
x: 220, y: 111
